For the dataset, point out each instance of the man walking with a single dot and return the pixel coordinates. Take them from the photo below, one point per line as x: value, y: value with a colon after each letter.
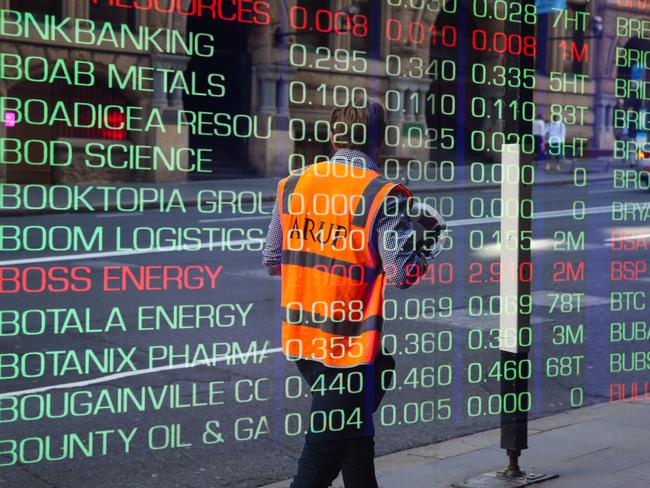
x: 556, y: 132
x: 339, y: 231
x: 539, y: 133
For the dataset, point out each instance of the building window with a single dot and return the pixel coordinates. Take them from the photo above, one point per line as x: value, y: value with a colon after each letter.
x: 38, y: 7
x: 317, y: 23
x: 542, y: 59
x: 104, y: 13
x: 576, y: 52
x: 310, y: 36
x: 364, y: 43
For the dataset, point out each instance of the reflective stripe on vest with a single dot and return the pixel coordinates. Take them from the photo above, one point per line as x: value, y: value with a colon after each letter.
x: 289, y: 187
x: 361, y: 218
x: 332, y: 281
x: 335, y: 266
x: 344, y: 328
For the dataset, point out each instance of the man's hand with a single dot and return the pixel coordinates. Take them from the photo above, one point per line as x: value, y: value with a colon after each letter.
x: 430, y: 229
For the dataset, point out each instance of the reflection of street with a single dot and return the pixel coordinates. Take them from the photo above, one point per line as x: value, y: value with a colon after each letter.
x: 578, y: 445
x: 442, y: 333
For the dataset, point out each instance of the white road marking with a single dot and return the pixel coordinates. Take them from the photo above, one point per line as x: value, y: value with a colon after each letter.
x: 107, y: 254
x: 117, y: 215
x: 233, y: 219
x: 623, y: 229
x: 493, y: 250
x: 547, y: 298
x: 551, y: 214
x: 627, y: 237
x: 540, y: 298
x: 117, y: 376
x: 252, y: 273
x: 101, y: 263
x: 597, y: 192
x: 463, y: 319
x: 569, y: 212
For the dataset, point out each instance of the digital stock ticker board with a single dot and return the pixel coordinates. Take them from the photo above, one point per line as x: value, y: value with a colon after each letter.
x: 143, y: 148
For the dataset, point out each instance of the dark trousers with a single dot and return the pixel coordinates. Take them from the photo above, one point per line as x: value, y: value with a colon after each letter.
x: 351, y: 449
x: 321, y: 462
x: 556, y: 149
x: 539, y: 147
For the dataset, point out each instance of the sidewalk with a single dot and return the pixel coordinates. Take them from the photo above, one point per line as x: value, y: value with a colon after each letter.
x: 603, y: 446
x: 264, y: 189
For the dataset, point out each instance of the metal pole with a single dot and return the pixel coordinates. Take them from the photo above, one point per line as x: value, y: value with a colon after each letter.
x: 515, y: 253
x: 514, y: 426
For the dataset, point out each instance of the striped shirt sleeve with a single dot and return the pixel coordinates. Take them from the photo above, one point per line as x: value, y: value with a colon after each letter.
x: 272, y: 252
x: 394, y: 237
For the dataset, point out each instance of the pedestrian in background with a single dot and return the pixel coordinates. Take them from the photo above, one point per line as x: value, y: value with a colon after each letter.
x: 621, y: 130
x: 539, y: 132
x: 334, y: 265
x: 556, y: 135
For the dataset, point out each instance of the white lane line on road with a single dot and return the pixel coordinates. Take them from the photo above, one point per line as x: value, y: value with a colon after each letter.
x: 138, y: 372
x: 117, y: 215
x: 132, y: 252
x: 627, y: 237
x: 569, y: 212
x: 551, y: 214
x: 233, y: 219
x: 493, y: 250
x: 595, y: 192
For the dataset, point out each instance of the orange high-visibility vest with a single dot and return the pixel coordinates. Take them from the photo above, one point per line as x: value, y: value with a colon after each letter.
x: 332, y: 278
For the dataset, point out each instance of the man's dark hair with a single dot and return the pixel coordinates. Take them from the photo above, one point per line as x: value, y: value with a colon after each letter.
x: 369, y: 112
